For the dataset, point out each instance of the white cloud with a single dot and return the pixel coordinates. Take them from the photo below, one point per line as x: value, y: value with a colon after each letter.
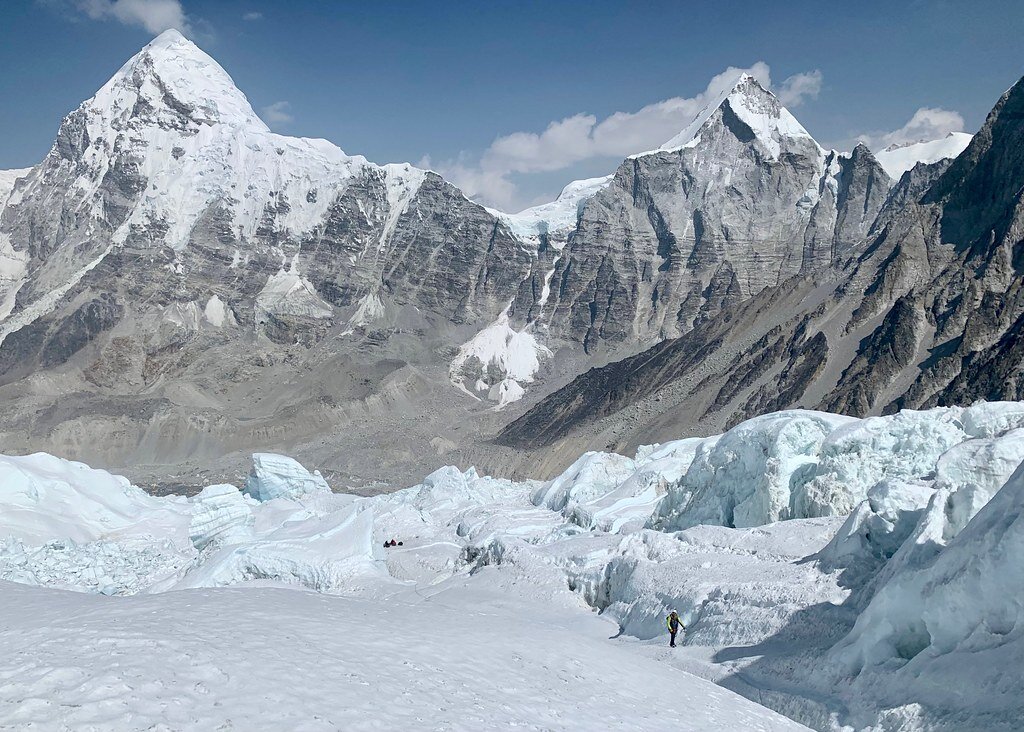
x: 252, y: 16
x: 583, y: 137
x: 155, y: 16
x: 797, y: 87
x: 928, y: 123
x: 277, y: 114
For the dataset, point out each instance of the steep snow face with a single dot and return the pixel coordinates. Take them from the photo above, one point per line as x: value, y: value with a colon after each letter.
x: 499, y: 356
x: 898, y: 159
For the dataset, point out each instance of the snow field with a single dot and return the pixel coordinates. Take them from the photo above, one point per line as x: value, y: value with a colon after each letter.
x: 453, y: 658
x: 898, y: 160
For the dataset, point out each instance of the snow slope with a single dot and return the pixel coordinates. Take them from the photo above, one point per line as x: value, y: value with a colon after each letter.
x: 498, y: 361
x: 898, y: 159
x: 451, y: 658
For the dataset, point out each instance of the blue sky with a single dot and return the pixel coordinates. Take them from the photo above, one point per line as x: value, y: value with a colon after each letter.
x: 514, y: 99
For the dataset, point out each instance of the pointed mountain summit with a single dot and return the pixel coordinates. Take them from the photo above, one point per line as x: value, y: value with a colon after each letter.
x: 165, y: 197
x: 741, y: 199
x: 749, y: 104
x: 171, y: 82
x: 926, y: 310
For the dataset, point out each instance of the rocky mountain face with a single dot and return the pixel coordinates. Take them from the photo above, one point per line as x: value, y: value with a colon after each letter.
x: 926, y: 310
x: 170, y: 250
x: 179, y: 285
x: 168, y: 168
x: 741, y: 200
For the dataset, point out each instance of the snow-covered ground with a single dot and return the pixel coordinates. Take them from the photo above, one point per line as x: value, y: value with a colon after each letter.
x: 851, y: 574
x: 461, y: 656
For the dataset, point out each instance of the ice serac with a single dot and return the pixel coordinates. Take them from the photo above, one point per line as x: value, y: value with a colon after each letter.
x: 43, y: 498
x: 324, y: 553
x: 958, y: 611
x: 750, y: 475
x: 220, y: 515
x: 279, y: 476
x: 864, y: 620
x: 923, y: 502
x: 741, y: 200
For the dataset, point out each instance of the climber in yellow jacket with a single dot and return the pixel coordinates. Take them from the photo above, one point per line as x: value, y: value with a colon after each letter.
x: 674, y: 626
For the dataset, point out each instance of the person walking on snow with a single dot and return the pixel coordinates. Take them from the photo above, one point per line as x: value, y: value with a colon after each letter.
x: 674, y: 626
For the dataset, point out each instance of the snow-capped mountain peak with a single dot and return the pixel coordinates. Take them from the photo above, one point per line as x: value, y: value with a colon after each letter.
x: 180, y: 137
x: 173, y: 83
x: 755, y: 106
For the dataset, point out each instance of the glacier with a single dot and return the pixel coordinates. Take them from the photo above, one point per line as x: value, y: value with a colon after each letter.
x: 837, y: 570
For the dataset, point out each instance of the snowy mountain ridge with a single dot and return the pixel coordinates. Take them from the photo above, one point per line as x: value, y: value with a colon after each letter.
x: 557, y: 218
x: 898, y: 159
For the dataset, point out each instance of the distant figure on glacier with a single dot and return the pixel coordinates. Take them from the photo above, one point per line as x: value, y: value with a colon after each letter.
x: 674, y: 626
